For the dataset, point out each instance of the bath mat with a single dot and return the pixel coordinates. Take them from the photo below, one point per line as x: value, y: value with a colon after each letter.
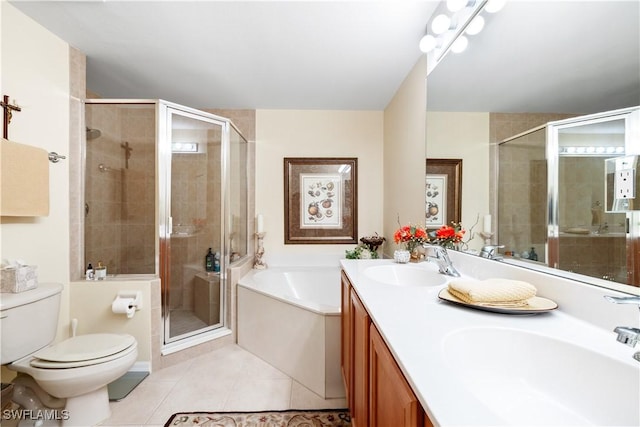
x: 289, y: 418
x: 120, y: 388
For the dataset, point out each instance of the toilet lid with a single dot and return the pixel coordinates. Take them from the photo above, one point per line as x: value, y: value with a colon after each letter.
x: 86, y: 347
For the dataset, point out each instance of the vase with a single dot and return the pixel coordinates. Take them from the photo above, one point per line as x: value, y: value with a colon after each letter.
x: 415, y: 255
x: 401, y: 256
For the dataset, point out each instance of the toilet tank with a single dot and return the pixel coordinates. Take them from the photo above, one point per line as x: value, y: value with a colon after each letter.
x: 28, y: 320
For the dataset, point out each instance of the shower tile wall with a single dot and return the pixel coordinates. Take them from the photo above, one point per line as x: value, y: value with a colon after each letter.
x: 120, y: 191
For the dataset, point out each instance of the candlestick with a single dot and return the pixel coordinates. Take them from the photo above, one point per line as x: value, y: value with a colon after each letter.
x: 259, y: 263
x: 260, y: 224
x: 486, y: 236
x: 487, y: 224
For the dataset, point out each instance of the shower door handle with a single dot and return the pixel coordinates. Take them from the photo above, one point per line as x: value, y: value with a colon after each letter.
x: 170, y: 231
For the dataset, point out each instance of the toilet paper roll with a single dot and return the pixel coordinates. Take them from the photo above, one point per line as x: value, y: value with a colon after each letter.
x: 124, y: 306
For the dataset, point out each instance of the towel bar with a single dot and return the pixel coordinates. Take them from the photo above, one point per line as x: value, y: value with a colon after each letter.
x: 55, y: 157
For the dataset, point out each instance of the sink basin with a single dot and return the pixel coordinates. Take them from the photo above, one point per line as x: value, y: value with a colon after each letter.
x: 404, y: 275
x: 539, y: 380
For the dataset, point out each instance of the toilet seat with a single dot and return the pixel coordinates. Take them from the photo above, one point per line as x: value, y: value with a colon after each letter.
x: 83, y: 350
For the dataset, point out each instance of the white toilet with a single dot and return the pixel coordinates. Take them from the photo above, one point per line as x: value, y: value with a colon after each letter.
x: 77, y: 369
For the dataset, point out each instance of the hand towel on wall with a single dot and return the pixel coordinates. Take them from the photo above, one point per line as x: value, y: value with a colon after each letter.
x: 24, y: 180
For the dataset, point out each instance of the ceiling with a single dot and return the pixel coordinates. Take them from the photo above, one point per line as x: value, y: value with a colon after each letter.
x: 533, y: 56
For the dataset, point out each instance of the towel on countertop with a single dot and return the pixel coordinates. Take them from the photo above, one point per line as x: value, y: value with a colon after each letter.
x: 493, y: 292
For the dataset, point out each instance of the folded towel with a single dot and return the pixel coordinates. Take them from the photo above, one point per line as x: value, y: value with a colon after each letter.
x: 493, y: 292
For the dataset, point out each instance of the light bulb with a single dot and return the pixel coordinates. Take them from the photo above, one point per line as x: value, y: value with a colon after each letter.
x: 427, y: 43
x: 459, y: 45
x: 440, y: 24
x: 475, y: 26
x: 456, y: 5
x: 493, y: 6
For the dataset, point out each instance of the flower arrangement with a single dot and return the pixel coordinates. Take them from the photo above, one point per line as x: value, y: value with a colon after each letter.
x: 361, y: 251
x: 448, y: 236
x: 411, y: 235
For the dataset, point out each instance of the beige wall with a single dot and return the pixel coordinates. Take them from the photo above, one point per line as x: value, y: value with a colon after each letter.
x: 464, y: 136
x: 317, y: 133
x: 35, y: 71
x: 404, y: 154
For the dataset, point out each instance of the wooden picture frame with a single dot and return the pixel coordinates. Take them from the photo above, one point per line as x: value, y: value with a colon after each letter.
x: 443, y: 192
x: 320, y: 200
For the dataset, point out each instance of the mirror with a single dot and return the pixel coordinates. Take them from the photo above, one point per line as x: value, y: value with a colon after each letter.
x: 552, y: 189
x: 539, y: 75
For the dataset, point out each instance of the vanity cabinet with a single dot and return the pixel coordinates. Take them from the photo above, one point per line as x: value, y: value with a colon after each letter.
x: 377, y: 392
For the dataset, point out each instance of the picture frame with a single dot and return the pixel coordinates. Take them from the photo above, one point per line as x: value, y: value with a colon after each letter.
x: 443, y: 192
x: 320, y: 200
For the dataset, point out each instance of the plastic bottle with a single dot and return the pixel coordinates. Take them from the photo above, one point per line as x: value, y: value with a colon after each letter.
x: 216, y: 262
x: 89, y: 275
x: 208, y: 261
x: 533, y: 256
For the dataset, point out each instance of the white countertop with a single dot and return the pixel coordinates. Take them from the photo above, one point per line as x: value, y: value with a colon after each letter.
x: 416, y: 325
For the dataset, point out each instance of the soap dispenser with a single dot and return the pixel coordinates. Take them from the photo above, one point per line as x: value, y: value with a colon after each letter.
x: 208, y: 261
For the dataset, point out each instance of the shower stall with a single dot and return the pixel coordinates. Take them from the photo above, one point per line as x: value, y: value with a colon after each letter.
x: 165, y: 183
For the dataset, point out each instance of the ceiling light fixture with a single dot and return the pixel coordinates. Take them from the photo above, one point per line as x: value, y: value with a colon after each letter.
x: 494, y: 6
x: 440, y: 24
x: 475, y: 26
x: 460, y: 44
x: 456, y: 5
x: 428, y: 43
x: 453, y: 20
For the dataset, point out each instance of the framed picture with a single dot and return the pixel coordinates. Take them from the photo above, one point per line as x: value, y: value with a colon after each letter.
x: 443, y: 192
x: 320, y: 200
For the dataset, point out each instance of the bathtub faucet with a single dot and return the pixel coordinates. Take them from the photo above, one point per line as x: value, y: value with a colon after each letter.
x: 441, y: 258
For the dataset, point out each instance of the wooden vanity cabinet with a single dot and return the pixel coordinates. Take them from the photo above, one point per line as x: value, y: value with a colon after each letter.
x: 378, y: 395
x: 345, y: 337
x: 360, y: 362
x: 391, y: 400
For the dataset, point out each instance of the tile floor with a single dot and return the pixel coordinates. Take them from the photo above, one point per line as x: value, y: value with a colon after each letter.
x: 228, y: 379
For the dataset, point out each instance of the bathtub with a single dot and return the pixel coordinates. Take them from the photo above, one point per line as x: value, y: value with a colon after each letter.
x: 290, y: 318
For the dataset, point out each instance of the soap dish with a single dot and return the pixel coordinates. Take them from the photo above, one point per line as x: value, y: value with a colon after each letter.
x: 536, y: 305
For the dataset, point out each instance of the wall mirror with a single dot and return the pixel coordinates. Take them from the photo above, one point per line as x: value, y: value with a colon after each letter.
x: 551, y: 75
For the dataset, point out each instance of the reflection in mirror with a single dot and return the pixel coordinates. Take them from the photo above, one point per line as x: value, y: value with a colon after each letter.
x: 552, y: 190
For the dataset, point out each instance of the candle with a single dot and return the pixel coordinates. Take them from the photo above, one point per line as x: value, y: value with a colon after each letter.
x: 260, y: 224
x: 487, y: 224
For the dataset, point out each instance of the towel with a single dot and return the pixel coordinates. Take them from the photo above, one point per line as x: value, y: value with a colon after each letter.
x: 493, y: 292
x: 24, y: 180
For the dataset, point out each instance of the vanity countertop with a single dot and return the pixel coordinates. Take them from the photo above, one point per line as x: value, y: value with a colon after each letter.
x: 429, y: 337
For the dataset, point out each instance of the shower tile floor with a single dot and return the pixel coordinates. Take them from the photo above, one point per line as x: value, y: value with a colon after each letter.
x: 228, y: 379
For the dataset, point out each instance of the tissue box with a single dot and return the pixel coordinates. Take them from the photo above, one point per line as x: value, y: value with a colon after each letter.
x: 18, y: 279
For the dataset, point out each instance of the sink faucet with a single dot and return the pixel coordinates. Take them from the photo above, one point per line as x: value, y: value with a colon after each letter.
x: 441, y: 258
x: 626, y: 334
x: 490, y: 251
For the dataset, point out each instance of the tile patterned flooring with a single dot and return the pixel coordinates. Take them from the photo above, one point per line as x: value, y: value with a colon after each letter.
x: 228, y: 379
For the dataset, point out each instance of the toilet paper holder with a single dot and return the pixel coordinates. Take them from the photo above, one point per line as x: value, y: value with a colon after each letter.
x: 134, y: 297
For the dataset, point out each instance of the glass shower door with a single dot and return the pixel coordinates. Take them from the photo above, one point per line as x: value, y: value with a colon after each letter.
x: 193, y: 290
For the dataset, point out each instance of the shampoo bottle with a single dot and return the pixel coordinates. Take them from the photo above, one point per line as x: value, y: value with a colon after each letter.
x: 208, y: 261
x: 216, y: 262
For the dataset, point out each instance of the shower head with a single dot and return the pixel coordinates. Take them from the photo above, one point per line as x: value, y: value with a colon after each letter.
x: 93, y: 133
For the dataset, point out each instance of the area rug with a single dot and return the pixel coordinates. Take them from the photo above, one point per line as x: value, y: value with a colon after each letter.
x: 290, y: 418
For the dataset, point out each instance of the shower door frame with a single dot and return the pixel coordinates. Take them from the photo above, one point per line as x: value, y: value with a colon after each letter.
x: 165, y: 109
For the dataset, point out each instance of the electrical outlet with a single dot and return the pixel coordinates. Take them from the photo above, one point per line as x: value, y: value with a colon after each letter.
x: 625, y: 184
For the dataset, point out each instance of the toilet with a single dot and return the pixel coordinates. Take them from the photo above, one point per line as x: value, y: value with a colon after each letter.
x: 68, y: 380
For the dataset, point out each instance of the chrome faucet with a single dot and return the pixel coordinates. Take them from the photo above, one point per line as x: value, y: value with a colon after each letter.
x: 626, y: 334
x: 491, y: 251
x: 442, y: 259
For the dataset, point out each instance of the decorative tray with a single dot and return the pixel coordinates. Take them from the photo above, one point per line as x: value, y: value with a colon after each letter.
x: 536, y: 305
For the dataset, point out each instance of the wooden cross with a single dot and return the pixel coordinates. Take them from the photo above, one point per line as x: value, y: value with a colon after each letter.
x: 8, y: 113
